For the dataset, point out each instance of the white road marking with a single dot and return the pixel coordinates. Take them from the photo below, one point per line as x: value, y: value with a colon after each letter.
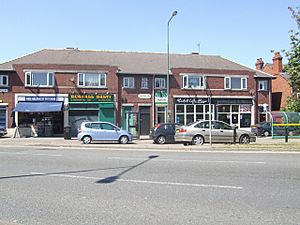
x: 32, y: 154
x: 190, y: 160
x: 144, y: 181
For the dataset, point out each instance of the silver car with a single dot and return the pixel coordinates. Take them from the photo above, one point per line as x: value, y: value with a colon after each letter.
x: 199, y: 132
x: 3, y: 131
x: 102, y: 131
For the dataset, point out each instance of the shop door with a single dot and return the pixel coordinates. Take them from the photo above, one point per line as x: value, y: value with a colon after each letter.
x: 125, y: 109
x: 76, y: 117
x: 144, y: 120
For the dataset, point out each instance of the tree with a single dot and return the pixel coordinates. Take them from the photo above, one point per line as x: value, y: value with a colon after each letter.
x: 293, y: 66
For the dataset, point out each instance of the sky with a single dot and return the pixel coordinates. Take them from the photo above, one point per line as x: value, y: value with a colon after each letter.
x: 241, y: 31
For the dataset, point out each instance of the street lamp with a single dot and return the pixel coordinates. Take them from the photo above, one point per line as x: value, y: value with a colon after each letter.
x: 168, y: 72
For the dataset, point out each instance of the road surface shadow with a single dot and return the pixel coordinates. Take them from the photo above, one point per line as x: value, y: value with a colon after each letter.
x: 114, y: 178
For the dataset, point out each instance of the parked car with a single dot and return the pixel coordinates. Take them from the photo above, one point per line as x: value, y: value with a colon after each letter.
x: 102, y: 131
x: 3, y: 131
x: 199, y: 133
x: 264, y: 129
x: 163, y: 133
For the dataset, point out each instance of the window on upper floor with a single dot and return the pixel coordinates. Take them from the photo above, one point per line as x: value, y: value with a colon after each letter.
x: 39, y: 79
x: 235, y: 83
x: 3, y: 80
x: 128, y: 82
x: 193, y: 82
x: 97, y: 80
x: 144, y: 83
x: 160, y: 83
x: 262, y: 85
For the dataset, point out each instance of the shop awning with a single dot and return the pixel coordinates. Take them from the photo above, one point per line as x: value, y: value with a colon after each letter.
x: 38, y: 107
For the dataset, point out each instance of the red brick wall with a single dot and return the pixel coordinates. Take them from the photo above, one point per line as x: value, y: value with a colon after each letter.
x: 65, y: 82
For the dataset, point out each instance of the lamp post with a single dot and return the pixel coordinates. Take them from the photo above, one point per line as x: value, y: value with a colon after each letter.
x: 168, y: 72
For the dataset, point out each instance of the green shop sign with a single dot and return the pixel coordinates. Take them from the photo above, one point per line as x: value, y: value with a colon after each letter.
x: 91, y: 98
x: 161, y: 97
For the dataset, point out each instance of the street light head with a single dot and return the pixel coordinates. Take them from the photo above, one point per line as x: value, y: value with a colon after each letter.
x: 174, y: 13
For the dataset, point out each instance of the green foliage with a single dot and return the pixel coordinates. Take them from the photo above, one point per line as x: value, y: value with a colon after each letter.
x: 293, y: 66
x: 293, y: 104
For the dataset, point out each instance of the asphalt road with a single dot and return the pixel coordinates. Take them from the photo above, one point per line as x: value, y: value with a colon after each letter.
x: 78, y: 186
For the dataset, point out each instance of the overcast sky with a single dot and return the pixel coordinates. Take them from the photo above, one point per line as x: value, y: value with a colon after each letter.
x: 241, y: 31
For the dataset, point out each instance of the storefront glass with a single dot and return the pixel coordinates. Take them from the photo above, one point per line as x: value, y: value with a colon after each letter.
x: 188, y: 113
x: 235, y: 114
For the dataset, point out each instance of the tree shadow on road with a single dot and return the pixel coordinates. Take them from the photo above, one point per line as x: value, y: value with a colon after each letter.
x: 112, y: 179
x: 105, y: 180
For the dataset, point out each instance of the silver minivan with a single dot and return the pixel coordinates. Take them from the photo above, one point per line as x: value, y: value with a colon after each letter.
x: 102, y: 131
x: 199, y: 132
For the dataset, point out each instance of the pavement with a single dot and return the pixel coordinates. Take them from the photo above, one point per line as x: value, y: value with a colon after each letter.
x: 262, y: 144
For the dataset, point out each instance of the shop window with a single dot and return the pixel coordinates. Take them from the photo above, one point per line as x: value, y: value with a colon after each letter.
x: 92, y: 80
x: 128, y: 82
x: 262, y: 85
x: 160, y: 83
x: 144, y: 83
x: 235, y: 83
x: 235, y: 114
x: 39, y: 79
x: 3, y: 80
x: 193, y: 82
x: 186, y: 114
x: 160, y: 115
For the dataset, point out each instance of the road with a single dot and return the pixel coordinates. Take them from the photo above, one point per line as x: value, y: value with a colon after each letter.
x: 90, y: 186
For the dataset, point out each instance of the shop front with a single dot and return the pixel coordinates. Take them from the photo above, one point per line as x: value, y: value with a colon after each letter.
x: 41, y: 116
x: 234, y: 111
x: 188, y: 110
x: 90, y: 107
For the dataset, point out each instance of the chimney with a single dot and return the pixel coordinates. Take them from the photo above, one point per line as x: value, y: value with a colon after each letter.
x: 259, y: 64
x: 277, y: 63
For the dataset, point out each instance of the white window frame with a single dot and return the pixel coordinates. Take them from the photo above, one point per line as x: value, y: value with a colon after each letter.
x: 129, y: 83
x: 161, y: 81
x: 144, y: 83
x: 100, y: 76
x: 264, y: 84
x: 185, y: 81
x: 50, y: 79
x: 227, y: 83
x: 1, y: 80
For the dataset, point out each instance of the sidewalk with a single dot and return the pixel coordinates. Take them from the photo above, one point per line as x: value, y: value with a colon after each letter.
x: 262, y: 144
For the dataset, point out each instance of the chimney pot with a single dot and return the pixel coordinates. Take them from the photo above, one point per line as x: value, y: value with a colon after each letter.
x: 259, y: 64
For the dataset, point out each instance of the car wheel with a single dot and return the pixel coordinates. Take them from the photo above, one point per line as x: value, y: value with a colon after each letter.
x: 123, y: 139
x: 244, y: 139
x: 87, y: 139
x: 266, y: 133
x: 198, y: 140
x: 161, y: 139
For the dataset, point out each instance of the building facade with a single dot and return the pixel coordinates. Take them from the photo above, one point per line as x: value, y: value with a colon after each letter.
x: 51, y: 89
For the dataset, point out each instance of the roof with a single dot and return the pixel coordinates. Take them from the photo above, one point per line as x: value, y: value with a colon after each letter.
x: 128, y: 62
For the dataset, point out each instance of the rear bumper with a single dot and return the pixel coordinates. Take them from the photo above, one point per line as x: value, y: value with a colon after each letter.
x: 182, y: 138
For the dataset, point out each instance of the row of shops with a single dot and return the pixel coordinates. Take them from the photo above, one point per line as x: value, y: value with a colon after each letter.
x: 48, y: 115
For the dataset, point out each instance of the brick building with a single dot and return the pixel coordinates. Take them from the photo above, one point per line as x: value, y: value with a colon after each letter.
x: 281, y: 88
x: 56, y: 88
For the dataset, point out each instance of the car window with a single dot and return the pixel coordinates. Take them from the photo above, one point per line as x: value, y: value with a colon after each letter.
x: 88, y: 125
x: 203, y: 125
x: 95, y: 126
x: 224, y: 126
x: 106, y: 126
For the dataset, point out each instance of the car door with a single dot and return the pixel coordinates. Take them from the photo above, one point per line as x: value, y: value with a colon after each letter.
x: 223, y: 132
x: 109, y: 132
x: 202, y: 128
x: 95, y: 131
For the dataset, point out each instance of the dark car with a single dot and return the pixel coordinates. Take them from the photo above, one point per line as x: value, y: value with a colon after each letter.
x: 163, y: 133
x: 264, y: 129
x: 3, y: 131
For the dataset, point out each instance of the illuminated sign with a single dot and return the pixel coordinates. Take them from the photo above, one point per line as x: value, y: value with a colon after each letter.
x: 91, y: 98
